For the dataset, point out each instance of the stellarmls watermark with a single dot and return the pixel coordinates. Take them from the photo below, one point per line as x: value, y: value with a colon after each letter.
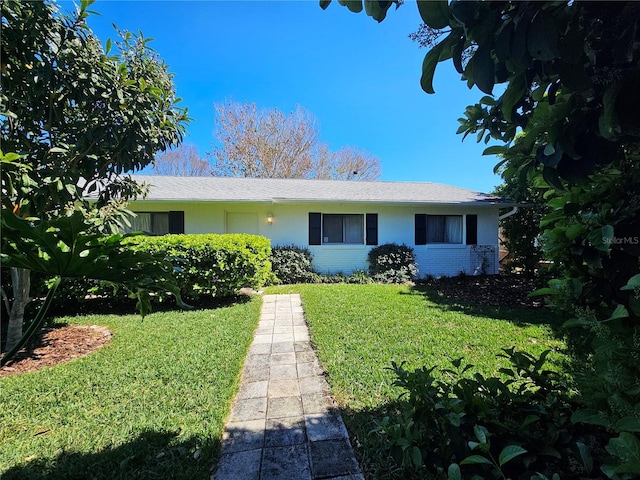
x: 621, y: 240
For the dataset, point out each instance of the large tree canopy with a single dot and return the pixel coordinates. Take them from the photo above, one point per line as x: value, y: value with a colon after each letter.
x: 271, y: 144
x: 79, y: 114
x: 74, y: 119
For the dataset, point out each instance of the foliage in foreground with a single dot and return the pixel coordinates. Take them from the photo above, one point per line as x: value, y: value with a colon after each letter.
x: 203, y: 265
x: 571, y: 72
x: 78, y: 116
x: 516, y: 426
x: 150, y: 404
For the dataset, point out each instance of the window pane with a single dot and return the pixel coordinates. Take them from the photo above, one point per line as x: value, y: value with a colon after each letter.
x: 353, y: 229
x: 160, y: 223
x: 453, y: 229
x: 444, y: 229
x: 140, y: 223
x: 435, y: 228
x: 332, y: 229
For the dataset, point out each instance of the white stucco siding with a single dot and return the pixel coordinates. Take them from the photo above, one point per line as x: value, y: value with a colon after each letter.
x: 396, y: 224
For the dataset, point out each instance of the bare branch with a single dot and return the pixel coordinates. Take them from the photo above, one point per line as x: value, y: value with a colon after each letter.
x: 270, y: 144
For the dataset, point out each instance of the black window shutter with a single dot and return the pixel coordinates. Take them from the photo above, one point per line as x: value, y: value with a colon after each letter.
x: 372, y: 229
x: 315, y: 229
x: 176, y: 221
x: 421, y: 229
x: 472, y: 229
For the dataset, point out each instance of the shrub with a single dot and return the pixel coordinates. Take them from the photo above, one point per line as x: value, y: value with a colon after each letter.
x: 392, y: 263
x: 292, y: 264
x: 479, y: 427
x: 207, y: 265
x: 211, y: 264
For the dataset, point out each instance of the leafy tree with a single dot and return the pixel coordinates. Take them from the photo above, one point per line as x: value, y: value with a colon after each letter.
x: 571, y: 77
x: 182, y: 161
x: 521, y: 232
x: 76, y: 118
x: 270, y: 144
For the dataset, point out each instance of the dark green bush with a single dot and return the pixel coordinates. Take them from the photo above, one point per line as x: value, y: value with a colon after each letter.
x: 392, y: 263
x: 292, y: 264
x: 208, y: 265
x: 211, y: 264
x: 518, y: 428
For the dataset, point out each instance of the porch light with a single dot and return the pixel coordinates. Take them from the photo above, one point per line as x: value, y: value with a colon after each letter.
x: 269, y: 218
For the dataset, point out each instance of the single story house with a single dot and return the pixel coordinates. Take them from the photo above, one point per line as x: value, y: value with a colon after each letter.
x: 451, y: 229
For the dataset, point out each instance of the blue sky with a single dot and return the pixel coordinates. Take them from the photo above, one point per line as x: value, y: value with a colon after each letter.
x: 359, y: 78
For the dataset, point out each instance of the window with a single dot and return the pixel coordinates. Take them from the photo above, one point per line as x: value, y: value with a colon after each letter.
x: 331, y: 228
x: 157, y: 223
x: 438, y: 229
x: 444, y: 228
x: 342, y: 228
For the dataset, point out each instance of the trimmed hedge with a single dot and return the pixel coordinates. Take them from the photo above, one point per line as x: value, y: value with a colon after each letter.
x: 212, y: 264
x: 209, y: 264
x: 392, y: 263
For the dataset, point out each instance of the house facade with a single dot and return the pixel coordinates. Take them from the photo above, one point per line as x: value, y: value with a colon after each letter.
x: 451, y: 230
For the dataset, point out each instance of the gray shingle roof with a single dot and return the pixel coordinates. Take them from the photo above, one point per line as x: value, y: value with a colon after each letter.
x: 218, y: 189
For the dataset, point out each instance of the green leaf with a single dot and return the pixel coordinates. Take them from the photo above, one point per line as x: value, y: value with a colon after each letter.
x: 601, y: 238
x: 441, y: 51
x: 550, y: 176
x: 509, y: 453
x: 353, y: 5
x: 434, y: 13
x: 585, y: 456
x: 512, y: 95
x: 544, y: 291
x: 475, y: 460
x: 454, y: 419
x: 577, y: 322
x: 628, y: 424
x: 324, y: 4
x: 620, y: 312
x: 542, y: 38
x: 495, y: 150
x: 453, y: 472
x: 626, y: 447
x: 376, y: 10
x: 575, y: 230
x: 58, y: 150
x: 416, y: 457
x: 481, y: 433
x: 589, y: 416
x: 484, y: 70
x: 107, y: 47
x: 633, y: 283
x: 608, y: 123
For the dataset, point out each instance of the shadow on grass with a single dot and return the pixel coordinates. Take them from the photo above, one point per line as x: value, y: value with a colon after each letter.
x: 519, y: 315
x: 127, y: 306
x: 151, y: 455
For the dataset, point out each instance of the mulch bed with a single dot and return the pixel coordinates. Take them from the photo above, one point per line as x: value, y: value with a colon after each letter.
x: 57, y: 345
x: 489, y: 290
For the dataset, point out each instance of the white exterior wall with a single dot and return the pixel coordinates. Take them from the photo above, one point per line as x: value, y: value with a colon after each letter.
x: 395, y: 225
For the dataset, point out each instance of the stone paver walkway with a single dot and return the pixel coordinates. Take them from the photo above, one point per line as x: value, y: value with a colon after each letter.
x: 283, y: 425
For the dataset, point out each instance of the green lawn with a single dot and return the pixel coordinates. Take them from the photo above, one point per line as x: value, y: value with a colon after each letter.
x: 149, y: 405
x: 152, y: 403
x: 359, y: 329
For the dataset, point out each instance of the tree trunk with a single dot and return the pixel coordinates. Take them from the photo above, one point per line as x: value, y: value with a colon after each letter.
x: 21, y: 281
